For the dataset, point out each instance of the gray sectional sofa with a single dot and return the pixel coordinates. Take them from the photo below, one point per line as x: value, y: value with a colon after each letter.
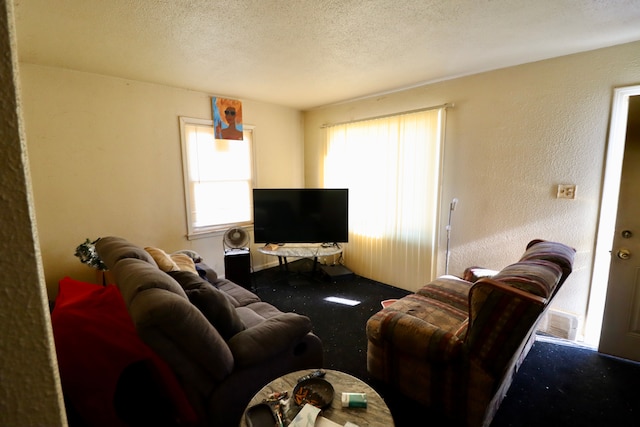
x: 222, y: 342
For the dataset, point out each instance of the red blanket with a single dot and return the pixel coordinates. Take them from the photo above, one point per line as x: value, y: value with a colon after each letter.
x: 95, y: 341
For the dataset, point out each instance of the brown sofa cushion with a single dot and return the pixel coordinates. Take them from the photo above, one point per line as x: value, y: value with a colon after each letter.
x: 551, y: 251
x: 420, y: 325
x: 538, y: 277
x: 450, y: 290
x: 213, y: 304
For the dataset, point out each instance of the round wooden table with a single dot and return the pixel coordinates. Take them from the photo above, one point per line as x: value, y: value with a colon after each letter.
x: 376, y: 414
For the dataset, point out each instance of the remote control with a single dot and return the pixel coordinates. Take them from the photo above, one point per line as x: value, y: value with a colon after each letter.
x: 315, y: 374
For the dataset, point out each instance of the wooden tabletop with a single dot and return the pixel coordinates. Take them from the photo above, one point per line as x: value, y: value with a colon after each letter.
x: 376, y: 414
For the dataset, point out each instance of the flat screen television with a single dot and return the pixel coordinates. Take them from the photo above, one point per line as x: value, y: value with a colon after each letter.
x: 301, y: 215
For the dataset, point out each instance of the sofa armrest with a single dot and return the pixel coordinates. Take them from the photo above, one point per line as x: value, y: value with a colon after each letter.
x: 268, y: 339
x: 500, y: 318
x: 411, y: 335
x: 112, y: 249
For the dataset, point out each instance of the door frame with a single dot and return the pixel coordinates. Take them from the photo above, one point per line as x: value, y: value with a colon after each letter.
x: 608, y: 212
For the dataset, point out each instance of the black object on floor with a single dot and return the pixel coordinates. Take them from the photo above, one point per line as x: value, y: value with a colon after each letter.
x: 557, y: 384
x: 337, y: 272
x: 260, y: 415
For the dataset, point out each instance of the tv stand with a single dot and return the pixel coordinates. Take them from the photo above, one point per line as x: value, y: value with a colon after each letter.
x: 300, y: 250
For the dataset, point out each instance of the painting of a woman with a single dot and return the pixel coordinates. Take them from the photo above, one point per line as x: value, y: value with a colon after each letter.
x: 227, y: 118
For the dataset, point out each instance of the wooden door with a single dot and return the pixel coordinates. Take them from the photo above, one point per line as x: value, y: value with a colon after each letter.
x: 620, y: 335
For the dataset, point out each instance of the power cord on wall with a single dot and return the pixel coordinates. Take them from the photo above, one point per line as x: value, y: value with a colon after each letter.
x: 452, y: 207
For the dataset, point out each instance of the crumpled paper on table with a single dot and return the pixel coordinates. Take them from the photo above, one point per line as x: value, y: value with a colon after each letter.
x: 306, y: 417
x: 309, y: 417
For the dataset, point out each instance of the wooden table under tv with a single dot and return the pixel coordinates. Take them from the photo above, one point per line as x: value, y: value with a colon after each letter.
x: 300, y: 250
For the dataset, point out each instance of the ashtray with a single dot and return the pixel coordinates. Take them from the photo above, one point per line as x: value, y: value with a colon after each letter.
x: 314, y: 391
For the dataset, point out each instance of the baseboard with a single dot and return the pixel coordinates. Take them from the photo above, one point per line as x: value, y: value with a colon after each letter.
x: 559, y: 324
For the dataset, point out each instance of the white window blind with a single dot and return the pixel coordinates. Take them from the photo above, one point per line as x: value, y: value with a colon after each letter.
x: 393, y: 193
x: 218, y: 177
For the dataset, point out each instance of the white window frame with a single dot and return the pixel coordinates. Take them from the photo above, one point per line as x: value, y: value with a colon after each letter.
x: 194, y: 231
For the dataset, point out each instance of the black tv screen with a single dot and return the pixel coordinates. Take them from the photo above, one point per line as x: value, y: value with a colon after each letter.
x: 300, y: 215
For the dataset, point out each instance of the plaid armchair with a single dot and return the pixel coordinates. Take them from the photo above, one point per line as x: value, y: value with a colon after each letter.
x: 455, y: 345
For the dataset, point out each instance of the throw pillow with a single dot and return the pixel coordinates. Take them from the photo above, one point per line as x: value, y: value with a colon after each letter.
x: 195, y: 256
x: 207, y: 273
x: 162, y: 258
x: 211, y: 302
x: 184, y: 262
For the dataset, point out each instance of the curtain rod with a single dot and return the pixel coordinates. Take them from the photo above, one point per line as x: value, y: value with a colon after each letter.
x: 435, y: 107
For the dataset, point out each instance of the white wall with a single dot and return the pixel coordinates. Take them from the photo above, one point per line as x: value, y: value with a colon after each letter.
x: 30, y: 391
x: 512, y: 137
x: 106, y: 160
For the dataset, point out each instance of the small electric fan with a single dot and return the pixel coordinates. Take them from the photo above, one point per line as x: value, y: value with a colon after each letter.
x: 235, y: 238
x: 237, y: 258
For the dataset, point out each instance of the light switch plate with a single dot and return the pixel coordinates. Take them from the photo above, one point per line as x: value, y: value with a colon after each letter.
x: 566, y: 191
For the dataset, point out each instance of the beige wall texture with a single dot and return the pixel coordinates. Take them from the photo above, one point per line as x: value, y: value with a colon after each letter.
x: 513, y: 136
x: 106, y: 160
x: 30, y: 393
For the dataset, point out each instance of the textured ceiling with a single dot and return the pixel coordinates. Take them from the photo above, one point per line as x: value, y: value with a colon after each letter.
x: 307, y: 53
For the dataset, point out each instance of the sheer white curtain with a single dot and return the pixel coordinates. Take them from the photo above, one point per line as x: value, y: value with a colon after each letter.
x: 391, y: 166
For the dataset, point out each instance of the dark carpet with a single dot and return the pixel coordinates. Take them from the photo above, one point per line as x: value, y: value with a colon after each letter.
x: 558, y: 384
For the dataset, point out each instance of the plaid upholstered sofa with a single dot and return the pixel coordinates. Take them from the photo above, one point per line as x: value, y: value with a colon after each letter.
x: 456, y: 344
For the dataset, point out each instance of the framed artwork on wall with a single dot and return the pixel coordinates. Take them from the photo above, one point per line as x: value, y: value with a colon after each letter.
x: 227, y: 118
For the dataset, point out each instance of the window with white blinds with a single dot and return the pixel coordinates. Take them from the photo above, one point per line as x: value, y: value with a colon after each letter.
x: 218, y: 177
x: 393, y: 193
